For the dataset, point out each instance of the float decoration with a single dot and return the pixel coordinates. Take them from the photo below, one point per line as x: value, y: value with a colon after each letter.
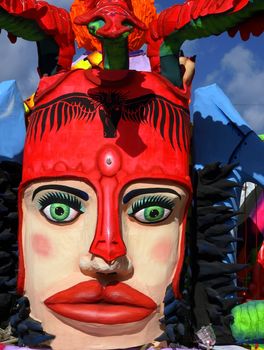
x: 248, y: 320
x: 215, y: 293
x: 10, y: 179
x: 165, y: 34
x: 45, y: 123
x: 214, y: 113
x: 144, y: 11
x: 101, y: 108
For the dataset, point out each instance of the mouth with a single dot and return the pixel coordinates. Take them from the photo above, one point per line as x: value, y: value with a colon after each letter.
x: 91, y: 302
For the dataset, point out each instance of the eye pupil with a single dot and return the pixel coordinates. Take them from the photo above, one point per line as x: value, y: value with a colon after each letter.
x: 59, y: 211
x: 154, y: 213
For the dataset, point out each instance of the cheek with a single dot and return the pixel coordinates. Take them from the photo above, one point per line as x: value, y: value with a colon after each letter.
x: 41, y: 245
x: 162, y: 250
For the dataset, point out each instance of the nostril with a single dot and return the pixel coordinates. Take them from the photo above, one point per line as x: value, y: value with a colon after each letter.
x: 106, y: 279
x: 99, y: 268
x: 106, y: 273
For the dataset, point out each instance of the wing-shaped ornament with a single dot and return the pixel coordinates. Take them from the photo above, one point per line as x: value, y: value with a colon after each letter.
x: 199, y: 19
x: 46, y: 24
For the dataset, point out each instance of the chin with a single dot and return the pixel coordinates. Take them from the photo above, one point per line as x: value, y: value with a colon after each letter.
x: 75, y: 335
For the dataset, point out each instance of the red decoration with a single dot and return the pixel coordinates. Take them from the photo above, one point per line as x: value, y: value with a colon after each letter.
x: 254, y: 26
x: 54, y: 21
x: 155, y: 147
x: 177, y: 16
x: 119, y: 18
x: 115, y: 14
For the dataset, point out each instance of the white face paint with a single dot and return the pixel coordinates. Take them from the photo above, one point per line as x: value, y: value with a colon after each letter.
x: 86, y: 302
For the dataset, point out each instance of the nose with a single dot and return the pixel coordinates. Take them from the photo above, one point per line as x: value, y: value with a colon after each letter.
x: 108, y: 243
x: 94, y: 265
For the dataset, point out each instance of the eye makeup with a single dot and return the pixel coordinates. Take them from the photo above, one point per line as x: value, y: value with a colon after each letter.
x: 62, y: 198
x: 59, y: 207
x: 75, y: 191
x: 150, y: 201
x: 151, y: 209
x: 140, y: 191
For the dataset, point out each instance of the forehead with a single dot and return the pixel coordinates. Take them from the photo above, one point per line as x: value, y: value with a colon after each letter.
x: 107, y: 132
x: 138, y: 151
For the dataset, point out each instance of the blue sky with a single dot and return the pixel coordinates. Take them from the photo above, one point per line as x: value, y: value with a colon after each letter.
x: 236, y: 66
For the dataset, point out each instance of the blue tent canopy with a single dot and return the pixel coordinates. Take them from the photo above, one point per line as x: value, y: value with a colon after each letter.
x: 12, y: 122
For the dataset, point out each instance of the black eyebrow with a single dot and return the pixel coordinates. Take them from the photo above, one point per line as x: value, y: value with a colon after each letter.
x: 140, y: 191
x: 83, y: 195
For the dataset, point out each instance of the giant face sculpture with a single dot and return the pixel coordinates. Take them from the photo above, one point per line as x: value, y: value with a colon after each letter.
x: 103, y: 206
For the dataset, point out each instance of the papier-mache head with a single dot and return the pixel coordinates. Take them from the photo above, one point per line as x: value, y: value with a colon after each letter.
x: 103, y: 204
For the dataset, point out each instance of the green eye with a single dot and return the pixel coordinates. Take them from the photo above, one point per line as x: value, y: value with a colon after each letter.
x: 60, y: 212
x: 152, y: 214
x: 151, y: 209
x: 60, y: 207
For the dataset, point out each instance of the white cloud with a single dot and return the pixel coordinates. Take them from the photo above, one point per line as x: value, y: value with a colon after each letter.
x: 241, y: 75
x: 255, y: 116
x: 19, y: 61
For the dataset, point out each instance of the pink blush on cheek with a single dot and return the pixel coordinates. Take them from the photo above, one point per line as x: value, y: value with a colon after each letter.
x: 41, y: 245
x: 162, y: 250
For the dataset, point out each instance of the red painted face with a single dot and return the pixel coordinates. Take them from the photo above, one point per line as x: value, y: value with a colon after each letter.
x: 108, y: 131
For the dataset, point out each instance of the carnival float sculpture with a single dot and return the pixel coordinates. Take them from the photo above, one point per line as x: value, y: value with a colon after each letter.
x: 105, y: 187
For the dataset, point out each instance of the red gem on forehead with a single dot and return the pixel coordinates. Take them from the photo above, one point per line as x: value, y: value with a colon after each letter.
x: 109, y: 160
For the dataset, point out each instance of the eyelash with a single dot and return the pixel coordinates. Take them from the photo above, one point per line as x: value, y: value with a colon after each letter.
x: 64, y: 198
x: 145, y: 202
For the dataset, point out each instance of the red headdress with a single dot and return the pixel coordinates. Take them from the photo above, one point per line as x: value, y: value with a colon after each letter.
x: 108, y: 128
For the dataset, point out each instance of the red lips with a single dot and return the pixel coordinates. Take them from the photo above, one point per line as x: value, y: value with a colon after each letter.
x: 93, y: 303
